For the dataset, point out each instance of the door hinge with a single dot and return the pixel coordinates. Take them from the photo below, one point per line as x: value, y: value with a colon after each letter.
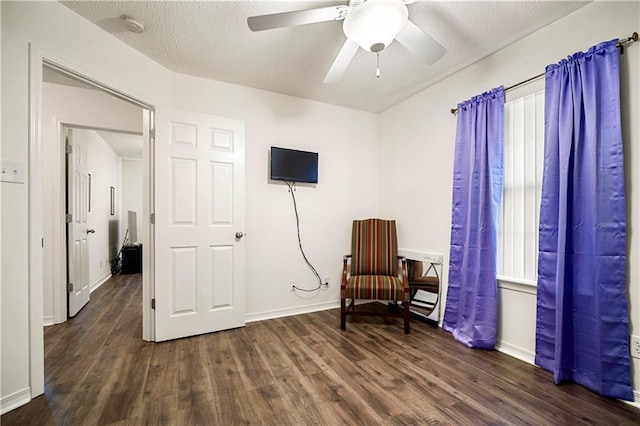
x: 153, y: 218
x: 68, y: 149
x: 153, y: 303
x: 43, y: 247
x: 70, y: 287
x: 68, y: 218
x: 152, y: 133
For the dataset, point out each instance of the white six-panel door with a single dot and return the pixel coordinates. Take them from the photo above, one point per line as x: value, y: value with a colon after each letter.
x: 77, y: 207
x: 199, y: 208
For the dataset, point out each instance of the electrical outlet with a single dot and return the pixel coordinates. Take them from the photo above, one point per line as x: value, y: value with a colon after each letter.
x: 325, y: 280
x: 635, y: 346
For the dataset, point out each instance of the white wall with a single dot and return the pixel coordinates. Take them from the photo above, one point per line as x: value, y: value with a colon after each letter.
x: 77, y: 106
x: 131, y: 195
x: 346, y: 141
x: 61, y: 34
x: 104, y: 166
x: 417, y: 146
x: 354, y: 173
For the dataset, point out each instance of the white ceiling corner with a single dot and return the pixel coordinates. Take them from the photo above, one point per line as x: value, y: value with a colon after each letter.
x: 211, y: 39
x: 125, y: 145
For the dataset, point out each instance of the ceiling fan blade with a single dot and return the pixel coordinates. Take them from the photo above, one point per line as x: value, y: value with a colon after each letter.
x: 342, y: 61
x: 300, y: 17
x: 420, y: 43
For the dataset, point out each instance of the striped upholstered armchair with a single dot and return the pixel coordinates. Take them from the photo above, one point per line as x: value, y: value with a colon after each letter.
x: 374, y: 272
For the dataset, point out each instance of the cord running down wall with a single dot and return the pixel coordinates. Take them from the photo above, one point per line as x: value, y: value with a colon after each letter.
x: 292, y: 188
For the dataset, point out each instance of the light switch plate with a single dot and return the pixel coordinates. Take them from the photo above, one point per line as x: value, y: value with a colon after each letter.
x: 12, y: 171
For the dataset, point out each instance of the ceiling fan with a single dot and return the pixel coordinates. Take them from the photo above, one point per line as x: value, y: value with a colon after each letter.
x: 369, y: 24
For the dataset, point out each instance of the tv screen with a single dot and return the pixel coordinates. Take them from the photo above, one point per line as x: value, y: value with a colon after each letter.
x: 293, y: 165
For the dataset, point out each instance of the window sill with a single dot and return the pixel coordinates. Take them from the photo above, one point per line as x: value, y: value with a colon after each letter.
x: 517, y: 284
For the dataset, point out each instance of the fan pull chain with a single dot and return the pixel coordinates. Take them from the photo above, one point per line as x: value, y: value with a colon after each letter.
x: 377, y: 64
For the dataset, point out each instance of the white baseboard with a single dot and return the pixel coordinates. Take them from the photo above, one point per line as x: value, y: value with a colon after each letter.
x: 15, y: 400
x: 48, y: 320
x: 286, y: 312
x: 636, y: 397
x: 529, y: 357
x: 99, y: 282
x: 516, y: 352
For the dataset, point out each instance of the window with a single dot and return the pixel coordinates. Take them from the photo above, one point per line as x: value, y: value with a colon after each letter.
x: 523, y: 157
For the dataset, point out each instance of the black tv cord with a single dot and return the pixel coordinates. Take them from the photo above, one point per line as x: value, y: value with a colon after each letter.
x: 292, y: 187
x: 116, y: 262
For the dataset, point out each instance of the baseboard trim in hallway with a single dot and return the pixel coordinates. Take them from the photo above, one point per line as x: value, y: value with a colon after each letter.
x: 15, y: 400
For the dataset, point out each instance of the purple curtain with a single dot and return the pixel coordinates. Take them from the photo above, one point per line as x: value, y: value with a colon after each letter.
x: 472, y: 297
x: 582, y: 330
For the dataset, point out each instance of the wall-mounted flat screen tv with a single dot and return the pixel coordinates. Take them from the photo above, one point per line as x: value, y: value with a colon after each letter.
x: 293, y: 165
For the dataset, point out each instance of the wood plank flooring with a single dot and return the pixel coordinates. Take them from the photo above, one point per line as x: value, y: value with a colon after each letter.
x: 291, y: 371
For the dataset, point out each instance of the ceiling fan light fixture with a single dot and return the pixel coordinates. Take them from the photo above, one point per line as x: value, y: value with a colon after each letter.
x: 375, y: 23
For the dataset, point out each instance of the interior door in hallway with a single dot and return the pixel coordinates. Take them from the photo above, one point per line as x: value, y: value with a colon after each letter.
x: 77, y: 231
x: 199, y: 224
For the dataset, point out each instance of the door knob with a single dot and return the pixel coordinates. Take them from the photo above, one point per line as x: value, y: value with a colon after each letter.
x: 239, y: 235
x: 91, y: 231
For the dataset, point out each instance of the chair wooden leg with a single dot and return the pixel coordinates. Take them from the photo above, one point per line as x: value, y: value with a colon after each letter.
x: 343, y: 314
x: 406, y: 317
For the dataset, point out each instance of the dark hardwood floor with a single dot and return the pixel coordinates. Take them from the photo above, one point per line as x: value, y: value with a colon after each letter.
x: 290, y: 371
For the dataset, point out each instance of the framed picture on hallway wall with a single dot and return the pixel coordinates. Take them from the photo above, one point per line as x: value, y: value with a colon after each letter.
x: 89, y: 207
x: 112, y: 197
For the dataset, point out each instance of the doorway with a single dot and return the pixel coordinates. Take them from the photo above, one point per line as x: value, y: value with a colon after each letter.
x: 104, y: 193
x: 86, y: 134
x: 47, y: 207
x: 196, y: 198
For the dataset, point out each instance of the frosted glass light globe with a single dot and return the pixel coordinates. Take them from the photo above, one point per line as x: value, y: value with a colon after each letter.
x: 375, y: 23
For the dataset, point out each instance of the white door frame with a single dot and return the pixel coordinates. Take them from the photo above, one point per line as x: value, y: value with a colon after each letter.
x: 37, y: 59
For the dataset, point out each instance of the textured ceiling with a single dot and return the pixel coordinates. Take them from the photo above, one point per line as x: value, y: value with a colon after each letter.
x: 212, y: 40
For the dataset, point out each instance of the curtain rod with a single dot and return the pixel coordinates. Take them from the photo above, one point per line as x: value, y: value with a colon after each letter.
x: 620, y: 45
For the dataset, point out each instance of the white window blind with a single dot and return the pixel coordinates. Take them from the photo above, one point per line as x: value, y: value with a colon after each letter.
x: 523, y: 156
